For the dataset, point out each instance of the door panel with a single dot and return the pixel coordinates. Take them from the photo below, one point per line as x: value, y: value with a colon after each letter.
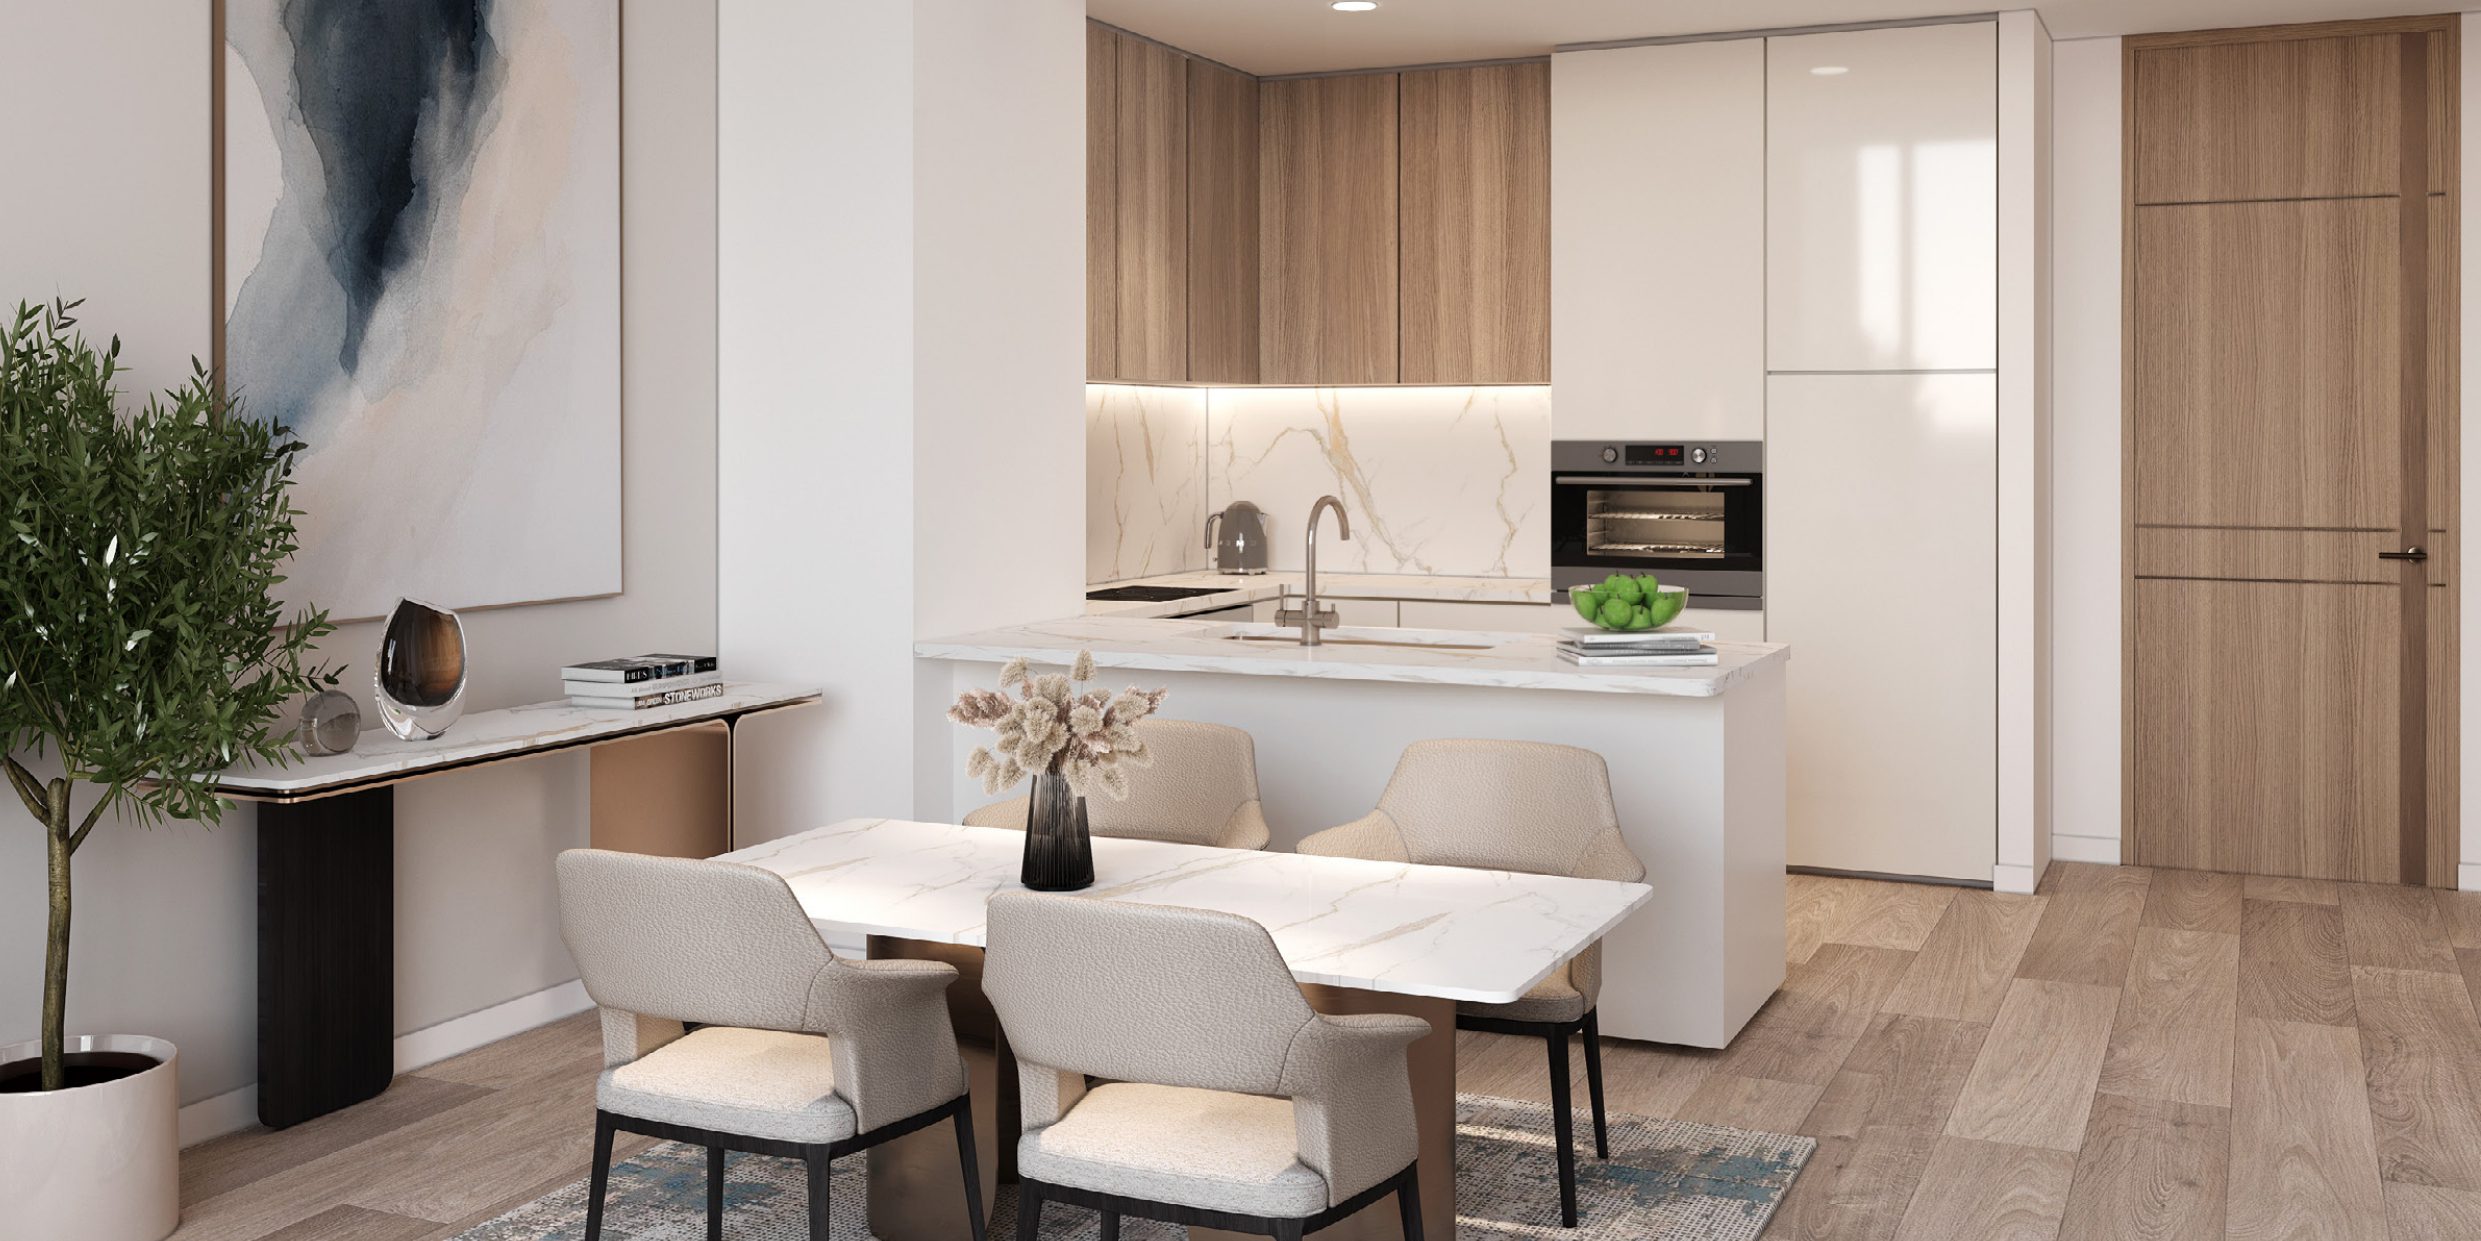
x: 1476, y: 219
x: 1102, y: 192
x: 1327, y: 255
x: 1882, y: 549
x: 2266, y: 374
x: 2265, y: 728
x: 2295, y: 118
x: 1153, y: 212
x: 1223, y: 225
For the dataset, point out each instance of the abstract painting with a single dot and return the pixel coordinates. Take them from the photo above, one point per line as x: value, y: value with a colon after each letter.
x: 421, y: 277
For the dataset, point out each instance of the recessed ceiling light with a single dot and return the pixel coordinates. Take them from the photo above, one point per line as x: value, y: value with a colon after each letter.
x: 1353, y: 6
x: 1831, y: 71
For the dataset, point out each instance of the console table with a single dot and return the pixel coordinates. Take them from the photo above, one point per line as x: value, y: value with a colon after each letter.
x: 662, y: 783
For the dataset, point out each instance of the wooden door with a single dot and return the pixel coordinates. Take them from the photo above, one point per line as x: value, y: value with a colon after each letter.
x: 1102, y: 193
x: 1152, y: 211
x: 2290, y: 238
x: 1476, y: 219
x: 1327, y: 247
x: 1223, y: 225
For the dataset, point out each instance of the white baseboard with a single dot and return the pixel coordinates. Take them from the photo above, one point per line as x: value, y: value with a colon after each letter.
x: 2099, y: 849
x: 2009, y: 877
x: 2468, y: 877
x: 237, y: 1110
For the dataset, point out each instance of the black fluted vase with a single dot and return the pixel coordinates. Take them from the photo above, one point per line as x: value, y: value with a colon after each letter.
x: 1059, y: 855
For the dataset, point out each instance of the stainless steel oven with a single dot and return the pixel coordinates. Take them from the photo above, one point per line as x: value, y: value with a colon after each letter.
x: 1690, y: 513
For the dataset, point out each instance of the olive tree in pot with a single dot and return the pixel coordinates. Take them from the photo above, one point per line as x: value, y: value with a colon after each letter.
x: 140, y: 652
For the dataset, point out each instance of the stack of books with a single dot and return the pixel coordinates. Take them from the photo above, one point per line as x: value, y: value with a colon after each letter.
x: 642, y: 682
x: 1644, y: 648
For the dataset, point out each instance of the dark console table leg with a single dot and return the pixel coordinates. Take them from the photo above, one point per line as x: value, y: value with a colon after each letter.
x: 326, y: 954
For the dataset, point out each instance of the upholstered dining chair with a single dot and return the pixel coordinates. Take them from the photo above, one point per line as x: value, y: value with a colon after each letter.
x: 1201, y: 790
x: 1521, y: 806
x: 796, y: 1052
x: 1225, y: 1101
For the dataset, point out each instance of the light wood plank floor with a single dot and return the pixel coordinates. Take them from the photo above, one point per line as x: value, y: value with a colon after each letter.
x: 2128, y: 1054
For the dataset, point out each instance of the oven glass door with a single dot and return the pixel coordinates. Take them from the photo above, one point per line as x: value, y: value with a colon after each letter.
x: 1658, y: 524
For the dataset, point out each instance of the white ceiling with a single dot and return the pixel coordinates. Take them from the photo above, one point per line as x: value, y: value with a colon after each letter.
x: 1305, y: 36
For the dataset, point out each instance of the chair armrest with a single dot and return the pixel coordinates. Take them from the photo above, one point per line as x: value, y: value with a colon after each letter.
x: 1246, y: 829
x: 1044, y: 1094
x: 887, y: 1026
x: 1372, y: 836
x: 1608, y: 856
x: 628, y: 1036
x: 1351, y: 1086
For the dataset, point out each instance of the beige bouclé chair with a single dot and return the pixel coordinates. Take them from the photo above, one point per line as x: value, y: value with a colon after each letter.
x: 1202, y: 789
x: 1227, y: 1102
x: 798, y: 1052
x: 1522, y: 806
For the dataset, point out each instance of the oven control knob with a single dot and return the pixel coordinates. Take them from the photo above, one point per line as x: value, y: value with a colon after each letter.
x: 1610, y: 454
x: 1697, y: 455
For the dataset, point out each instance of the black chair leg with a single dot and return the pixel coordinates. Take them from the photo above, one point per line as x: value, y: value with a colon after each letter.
x: 1593, y: 1083
x: 816, y: 1158
x: 1561, y: 1124
x: 1408, y: 1203
x: 601, y: 1178
x: 1029, y: 1211
x: 714, y: 1193
x: 966, y: 1158
x: 1111, y: 1226
x: 1287, y: 1229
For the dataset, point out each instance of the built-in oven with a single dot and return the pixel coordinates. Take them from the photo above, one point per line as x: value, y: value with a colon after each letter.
x: 1693, y: 514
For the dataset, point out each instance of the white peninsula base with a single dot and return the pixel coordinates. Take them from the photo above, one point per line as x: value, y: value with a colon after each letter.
x: 1697, y: 769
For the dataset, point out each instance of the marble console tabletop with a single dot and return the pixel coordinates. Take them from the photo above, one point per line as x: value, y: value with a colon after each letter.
x: 1439, y: 931
x: 1254, y: 587
x: 380, y: 758
x: 1506, y: 660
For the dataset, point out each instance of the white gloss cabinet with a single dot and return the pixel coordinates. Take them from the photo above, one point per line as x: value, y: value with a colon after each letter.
x: 1881, y: 205
x: 1882, y: 574
x: 1658, y: 243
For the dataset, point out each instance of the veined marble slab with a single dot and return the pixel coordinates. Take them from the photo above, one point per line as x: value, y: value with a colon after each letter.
x: 1506, y: 660
x: 1481, y: 935
x: 486, y: 735
x: 1145, y: 480
x: 1251, y: 588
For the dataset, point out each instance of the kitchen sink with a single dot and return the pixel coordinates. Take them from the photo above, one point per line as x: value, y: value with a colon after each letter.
x: 1402, y: 639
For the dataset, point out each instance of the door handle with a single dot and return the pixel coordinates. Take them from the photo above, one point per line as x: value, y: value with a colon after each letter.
x: 2409, y: 553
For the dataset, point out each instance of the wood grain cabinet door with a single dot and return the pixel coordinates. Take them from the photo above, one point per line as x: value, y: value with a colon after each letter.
x: 1476, y: 219
x: 1327, y: 246
x: 1223, y: 225
x: 1102, y: 195
x: 2290, y: 312
x: 1152, y: 211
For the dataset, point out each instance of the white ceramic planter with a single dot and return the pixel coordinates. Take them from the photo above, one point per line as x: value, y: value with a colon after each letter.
x: 94, y: 1163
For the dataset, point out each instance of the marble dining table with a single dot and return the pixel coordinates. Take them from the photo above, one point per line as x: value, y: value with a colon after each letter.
x: 1359, y: 937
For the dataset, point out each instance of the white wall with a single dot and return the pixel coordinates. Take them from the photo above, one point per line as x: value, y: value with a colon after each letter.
x: 2085, y: 459
x: 165, y: 941
x: 902, y: 410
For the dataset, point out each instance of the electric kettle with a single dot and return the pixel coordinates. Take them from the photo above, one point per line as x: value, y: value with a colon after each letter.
x: 1238, y: 535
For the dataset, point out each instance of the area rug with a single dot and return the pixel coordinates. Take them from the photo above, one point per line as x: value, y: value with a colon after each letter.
x: 1666, y: 1179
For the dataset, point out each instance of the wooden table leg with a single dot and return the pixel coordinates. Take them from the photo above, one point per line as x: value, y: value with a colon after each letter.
x: 326, y: 954
x: 917, y: 1189
x: 667, y: 793
x: 1433, y: 1062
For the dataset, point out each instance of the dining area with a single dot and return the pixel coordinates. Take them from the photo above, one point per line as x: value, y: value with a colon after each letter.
x: 1204, y: 1032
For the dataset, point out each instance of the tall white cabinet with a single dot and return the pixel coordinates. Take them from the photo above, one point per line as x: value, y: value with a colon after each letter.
x: 1882, y: 442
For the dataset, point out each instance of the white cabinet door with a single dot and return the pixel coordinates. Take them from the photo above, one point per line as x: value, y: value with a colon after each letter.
x: 1882, y: 574
x: 1658, y: 244
x: 1882, y: 199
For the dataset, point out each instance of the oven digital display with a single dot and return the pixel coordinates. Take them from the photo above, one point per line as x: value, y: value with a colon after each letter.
x: 1656, y: 454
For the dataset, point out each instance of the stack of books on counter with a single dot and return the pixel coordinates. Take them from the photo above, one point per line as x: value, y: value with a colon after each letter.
x: 1642, y: 648
x: 642, y: 682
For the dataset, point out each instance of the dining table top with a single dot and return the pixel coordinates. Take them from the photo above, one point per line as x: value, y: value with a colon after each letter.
x: 1447, y: 932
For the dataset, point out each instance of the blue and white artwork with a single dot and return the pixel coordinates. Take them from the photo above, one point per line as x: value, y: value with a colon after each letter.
x: 422, y: 278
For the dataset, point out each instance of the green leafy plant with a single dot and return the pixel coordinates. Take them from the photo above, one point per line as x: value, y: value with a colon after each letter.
x: 139, y: 640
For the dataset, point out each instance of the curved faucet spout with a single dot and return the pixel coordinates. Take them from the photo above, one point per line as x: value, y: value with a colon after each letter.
x: 1343, y: 522
x: 1313, y: 617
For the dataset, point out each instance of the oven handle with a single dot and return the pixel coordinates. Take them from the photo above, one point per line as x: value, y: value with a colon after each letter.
x: 1629, y: 480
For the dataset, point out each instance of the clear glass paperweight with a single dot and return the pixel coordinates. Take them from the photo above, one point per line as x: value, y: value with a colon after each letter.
x: 421, y: 674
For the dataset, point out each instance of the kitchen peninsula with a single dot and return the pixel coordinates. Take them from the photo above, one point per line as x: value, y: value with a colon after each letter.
x: 1696, y: 757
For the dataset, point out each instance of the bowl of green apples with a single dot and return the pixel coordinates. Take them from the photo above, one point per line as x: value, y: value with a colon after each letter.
x: 1626, y: 603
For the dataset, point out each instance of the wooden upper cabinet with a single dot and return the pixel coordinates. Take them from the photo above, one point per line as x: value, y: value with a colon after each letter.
x: 1223, y: 225
x: 1152, y: 211
x: 1327, y: 244
x: 1475, y: 215
x: 1102, y: 189
x: 2290, y: 118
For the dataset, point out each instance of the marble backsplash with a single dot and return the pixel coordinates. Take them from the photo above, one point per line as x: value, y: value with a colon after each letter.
x: 1443, y: 481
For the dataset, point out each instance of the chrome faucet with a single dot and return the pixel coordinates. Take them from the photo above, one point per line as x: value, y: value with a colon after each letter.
x: 1309, y: 616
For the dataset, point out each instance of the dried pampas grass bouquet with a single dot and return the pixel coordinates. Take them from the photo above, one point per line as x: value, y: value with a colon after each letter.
x: 1085, y: 736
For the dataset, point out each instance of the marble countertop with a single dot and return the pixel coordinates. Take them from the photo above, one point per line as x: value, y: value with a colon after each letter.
x: 1481, y: 935
x: 1503, y: 660
x: 1250, y: 588
x: 485, y: 736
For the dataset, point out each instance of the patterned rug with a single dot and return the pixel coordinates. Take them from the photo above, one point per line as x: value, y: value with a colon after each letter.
x: 1666, y: 1179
